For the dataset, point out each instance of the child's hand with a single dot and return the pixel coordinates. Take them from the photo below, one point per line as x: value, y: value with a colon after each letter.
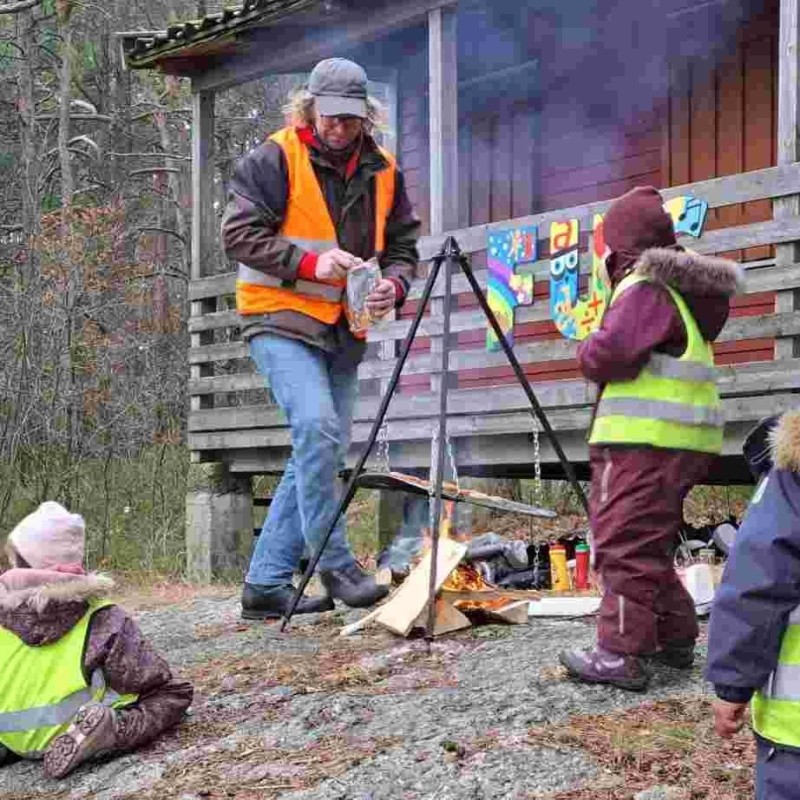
x: 728, y: 717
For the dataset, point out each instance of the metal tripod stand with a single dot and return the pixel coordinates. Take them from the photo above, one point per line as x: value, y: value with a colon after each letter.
x: 449, y: 257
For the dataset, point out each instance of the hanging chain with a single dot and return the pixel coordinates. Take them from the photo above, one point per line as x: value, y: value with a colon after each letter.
x: 537, y: 462
x: 451, y: 455
x: 383, y: 447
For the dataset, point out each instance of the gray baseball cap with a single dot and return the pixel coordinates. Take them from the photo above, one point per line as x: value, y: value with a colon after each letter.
x: 339, y: 87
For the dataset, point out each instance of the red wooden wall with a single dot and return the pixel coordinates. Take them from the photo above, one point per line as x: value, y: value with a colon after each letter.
x: 525, y: 159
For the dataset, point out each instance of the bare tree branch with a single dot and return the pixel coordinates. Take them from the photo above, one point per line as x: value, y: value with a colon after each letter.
x: 21, y: 5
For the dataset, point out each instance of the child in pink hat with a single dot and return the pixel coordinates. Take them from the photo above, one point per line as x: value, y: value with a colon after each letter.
x: 77, y: 677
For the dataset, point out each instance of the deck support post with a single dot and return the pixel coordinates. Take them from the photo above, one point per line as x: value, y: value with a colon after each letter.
x: 788, y: 152
x: 219, y: 523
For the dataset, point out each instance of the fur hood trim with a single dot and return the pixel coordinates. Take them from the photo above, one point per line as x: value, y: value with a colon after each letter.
x: 785, y: 442
x: 93, y: 586
x: 691, y: 273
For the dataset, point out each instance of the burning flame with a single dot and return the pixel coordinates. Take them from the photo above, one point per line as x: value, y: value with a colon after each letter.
x: 465, y: 578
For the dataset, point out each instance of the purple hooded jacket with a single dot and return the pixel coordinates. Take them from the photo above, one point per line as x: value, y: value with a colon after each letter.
x: 43, y: 614
x: 644, y: 319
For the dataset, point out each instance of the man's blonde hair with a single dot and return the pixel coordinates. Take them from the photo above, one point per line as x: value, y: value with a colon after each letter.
x: 10, y: 555
x: 299, y: 110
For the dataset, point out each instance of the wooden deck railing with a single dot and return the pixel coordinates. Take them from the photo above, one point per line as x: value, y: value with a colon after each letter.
x: 233, y: 420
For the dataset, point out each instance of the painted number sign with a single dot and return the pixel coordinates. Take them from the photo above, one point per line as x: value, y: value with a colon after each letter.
x: 575, y: 315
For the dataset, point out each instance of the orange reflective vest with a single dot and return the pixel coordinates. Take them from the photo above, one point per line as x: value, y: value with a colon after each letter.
x: 307, y: 224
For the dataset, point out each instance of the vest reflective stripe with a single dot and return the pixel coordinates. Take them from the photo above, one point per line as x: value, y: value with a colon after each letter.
x: 776, y: 706
x: 660, y: 409
x: 307, y: 223
x: 41, y: 688
x: 314, y: 245
x: 323, y: 290
x: 664, y: 366
x: 58, y: 713
x: 672, y: 403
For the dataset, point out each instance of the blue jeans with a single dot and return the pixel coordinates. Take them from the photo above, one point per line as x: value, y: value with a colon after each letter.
x: 317, y: 392
x: 408, y: 542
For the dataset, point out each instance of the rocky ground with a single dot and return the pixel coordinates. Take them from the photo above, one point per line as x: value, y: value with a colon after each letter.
x: 487, y: 713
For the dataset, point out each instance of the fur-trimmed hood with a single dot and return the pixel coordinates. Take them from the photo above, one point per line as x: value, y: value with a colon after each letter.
x: 690, y: 272
x: 706, y: 283
x: 785, y: 442
x: 44, y: 611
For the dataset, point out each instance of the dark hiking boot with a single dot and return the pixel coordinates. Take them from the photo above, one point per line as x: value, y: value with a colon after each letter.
x: 272, y: 602
x: 352, y: 586
x: 93, y: 732
x: 599, y: 666
x: 681, y: 657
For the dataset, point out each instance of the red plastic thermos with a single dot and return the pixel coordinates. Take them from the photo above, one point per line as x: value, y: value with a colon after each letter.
x: 582, y: 566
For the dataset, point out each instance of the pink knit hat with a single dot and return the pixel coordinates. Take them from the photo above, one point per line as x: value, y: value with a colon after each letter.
x: 51, y: 538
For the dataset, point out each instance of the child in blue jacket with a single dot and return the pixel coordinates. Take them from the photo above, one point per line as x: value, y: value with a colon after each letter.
x: 754, y: 636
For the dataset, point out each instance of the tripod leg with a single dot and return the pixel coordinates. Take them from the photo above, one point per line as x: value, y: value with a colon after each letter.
x: 351, y: 484
x: 451, y: 255
x: 523, y: 381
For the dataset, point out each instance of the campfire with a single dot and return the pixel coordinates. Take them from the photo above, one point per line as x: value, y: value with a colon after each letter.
x: 464, y: 597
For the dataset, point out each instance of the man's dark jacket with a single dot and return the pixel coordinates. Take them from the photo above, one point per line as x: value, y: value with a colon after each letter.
x: 257, y: 203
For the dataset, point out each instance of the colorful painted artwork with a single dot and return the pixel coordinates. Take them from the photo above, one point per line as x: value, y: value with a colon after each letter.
x: 507, y: 249
x: 575, y: 316
x: 688, y: 214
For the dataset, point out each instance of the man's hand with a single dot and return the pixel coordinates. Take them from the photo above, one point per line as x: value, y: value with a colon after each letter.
x: 728, y: 717
x: 332, y: 265
x: 381, y: 299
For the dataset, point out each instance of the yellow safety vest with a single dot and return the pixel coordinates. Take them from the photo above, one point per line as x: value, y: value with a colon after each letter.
x: 307, y: 223
x: 776, y: 706
x: 42, y: 688
x: 672, y: 402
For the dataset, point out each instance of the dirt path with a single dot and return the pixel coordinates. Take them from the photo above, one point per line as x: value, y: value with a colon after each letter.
x: 486, y: 714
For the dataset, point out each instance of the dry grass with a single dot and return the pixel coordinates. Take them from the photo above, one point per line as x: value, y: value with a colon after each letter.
x: 255, y: 768
x: 668, y: 743
x: 359, y: 666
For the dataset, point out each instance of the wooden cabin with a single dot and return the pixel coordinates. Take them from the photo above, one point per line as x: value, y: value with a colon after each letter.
x: 514, y: 113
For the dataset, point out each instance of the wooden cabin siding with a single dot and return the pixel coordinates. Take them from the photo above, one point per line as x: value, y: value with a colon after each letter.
x: 530, y: 157
x: 724, y: 121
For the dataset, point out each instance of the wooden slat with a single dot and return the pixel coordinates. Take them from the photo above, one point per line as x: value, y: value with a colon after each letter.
x: 214, y: 286
x: 760, y: 279
x: 737, y: 329
x: 218, y: 352
x: 755, y: 379
x: 772, y: 232
x: 203, y: 227
x: 756, y: 185
x: 772, y: 182
x: 461, y: 287
x: 443, y: 122
x: 524, y: 184
x: 482, y: 455
x: 730, y: 133
x: 759, y: 122
x: 736, y: 409
x: 502, y: 168
x: 480, y: 186
x: 788, y: 144
x: 210, y: 322
x: 679, y: 129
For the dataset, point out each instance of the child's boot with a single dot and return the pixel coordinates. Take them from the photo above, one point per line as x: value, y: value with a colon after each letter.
x: 93, y: 731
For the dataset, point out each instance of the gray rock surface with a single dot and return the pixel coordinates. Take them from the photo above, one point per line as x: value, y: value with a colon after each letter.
x: 307, y: 715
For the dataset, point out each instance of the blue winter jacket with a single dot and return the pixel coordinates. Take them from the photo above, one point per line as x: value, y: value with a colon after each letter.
x: 761, y: 582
